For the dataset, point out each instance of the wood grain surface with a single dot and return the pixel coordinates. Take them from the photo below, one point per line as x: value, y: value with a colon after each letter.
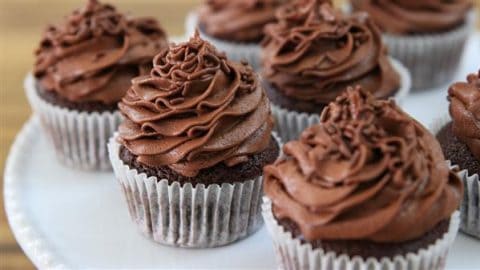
x: 21, y: 22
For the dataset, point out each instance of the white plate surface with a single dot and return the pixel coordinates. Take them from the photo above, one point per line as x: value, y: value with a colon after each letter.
x: 64, y: 218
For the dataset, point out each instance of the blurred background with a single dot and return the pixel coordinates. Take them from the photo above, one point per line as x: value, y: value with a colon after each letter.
x: 21, y: 24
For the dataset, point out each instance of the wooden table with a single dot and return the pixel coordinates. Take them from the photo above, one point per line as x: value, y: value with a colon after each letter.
x: 21, y: 22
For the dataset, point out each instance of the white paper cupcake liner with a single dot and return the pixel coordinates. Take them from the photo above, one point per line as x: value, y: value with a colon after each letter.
x: 289, y: 124
x: 470, y: 207
x: 79, y: 138
x: 189, y: 216
x: 292, y: 254
x: 432, y: 59
x: 250, y: 52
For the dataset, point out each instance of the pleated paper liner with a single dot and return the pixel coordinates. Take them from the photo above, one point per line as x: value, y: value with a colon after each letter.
x: 292, y: 254
x: 433, y: 59
x: 197, y: 216
x: 79, y: 138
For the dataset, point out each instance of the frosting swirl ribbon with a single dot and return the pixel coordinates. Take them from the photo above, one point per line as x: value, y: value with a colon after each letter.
x: 194, y: 110
x: 465, y: 111
x: 314, y: 52
x: 367, y: 172
x: 237, y: 20
x: 413, y: 16
x: 95, y: 53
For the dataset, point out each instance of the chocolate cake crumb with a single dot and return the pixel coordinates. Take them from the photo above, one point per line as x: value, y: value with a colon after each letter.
x: 54, y: 98
x: 217, y: 174
x: 367, y: 249
x: 456, y: 151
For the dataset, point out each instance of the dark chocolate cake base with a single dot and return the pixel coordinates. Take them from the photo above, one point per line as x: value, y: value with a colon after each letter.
x: 54, y: 98
x: 201, y: 28
x: 301, y: 106
x: 367, y: 249
x: 217, y: 174
x: 279, y: 99
x: 456, y: 151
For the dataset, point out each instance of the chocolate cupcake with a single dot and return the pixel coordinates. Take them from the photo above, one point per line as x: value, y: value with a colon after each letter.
x: 313, y: 53
x: 83, y: 68
x: 459, y: 138
x: 366, y: 188
x: 235, y: 26
x: 428, y: 37
x: 190, y: 152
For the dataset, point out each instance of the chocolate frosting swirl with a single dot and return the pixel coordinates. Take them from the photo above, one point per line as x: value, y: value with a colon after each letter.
x: 237, y: 20
x: 368, y: 171
x: 195, y: 109
x: 465, y: 111
x: 95, y: 53
x: 314, y: 52
x: 413, y: 16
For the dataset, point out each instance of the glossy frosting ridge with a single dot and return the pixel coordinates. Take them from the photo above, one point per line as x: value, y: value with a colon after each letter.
x: 237, y: 20
x: 194, y: 110
x: 313, y: 52
x: 95, y: 52
x: 368, y: 171
x: 465, y: 112
x: 413, y: 16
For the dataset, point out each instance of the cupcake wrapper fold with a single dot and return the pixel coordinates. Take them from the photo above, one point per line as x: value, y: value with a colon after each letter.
x: 289, y: 124
x: 236, y: 51
x: 292, y: 254
x: 470, y: 206
x: 189, y: 216
x: 432, y: 59
x: 79, y: 138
